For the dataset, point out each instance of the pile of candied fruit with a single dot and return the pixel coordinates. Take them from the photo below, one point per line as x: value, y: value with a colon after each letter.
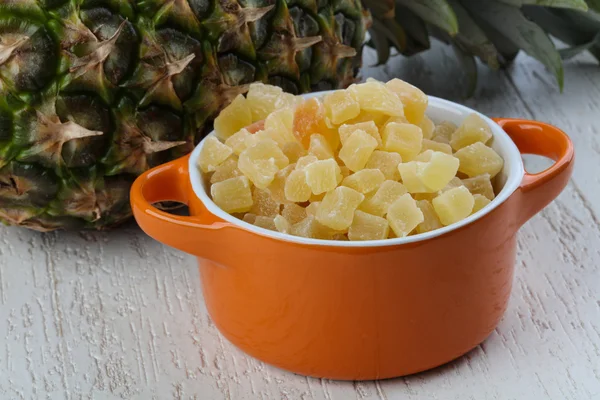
x: 365, y: 163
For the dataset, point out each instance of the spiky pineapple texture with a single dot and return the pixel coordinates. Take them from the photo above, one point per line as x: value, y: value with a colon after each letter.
x: 94, y: 92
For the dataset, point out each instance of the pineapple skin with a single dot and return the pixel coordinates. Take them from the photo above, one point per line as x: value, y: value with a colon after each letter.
x: 95, y: 92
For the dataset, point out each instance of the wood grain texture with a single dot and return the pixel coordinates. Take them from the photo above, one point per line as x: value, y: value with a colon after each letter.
x: 119, y: 316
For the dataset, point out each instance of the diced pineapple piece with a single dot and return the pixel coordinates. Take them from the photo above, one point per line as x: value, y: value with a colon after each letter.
x: 305, y: 161
x: 438, y: 171
x: 234, y: 117
x: 404, y: 139
x: 293, y: 151
x: 364, y: 116
x: 265, y: 222
x: 296, y: 188
x: 282, y: 121
x: 263, y: 203
x: 477, y: 159
x: 403, y: 215
x: 232, y: 195
x: 425, y: 156
x: 368, y: 227
x: 369, y: 127
x: 249, y: 218
x: 374, y: 97
x: 336, y: 211
x: 213, y: 153
x: 387, y: 162
x: 427, y: 126
x: 441, y: 139
x: 409, y: 172
x: 227, y: 169
x: 309, y: 118
x: 453, y: 205
x: 427, y: 144
x: 323, y: 175
x: 277, y: 187
x: 312, y: 208
x: 261, y: 162
x: 256, y: 137
x: 473, y: 129
x: 281, y: 224
x: 238, y: 141
x: 320, y: 147
x: 387, y: 193
x: 264, y: 99
x: 480, y: 184
x: 414, y: 100
x: 309, y: 227
x: 341, y: 106
x: 357, y: 150
x: 293, y: 213
x: 479, y: 201
x: 454, y: 183
x: 445, y: 129
x: 430, y: 219
x: 365, y: 180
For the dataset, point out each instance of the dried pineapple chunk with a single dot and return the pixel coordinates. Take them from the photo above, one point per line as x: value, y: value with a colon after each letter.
x: 296, y: 188
x: 234, y: 117
x: 232, y: 195
x: 445, y: 129
x: 473, y: 129
x: 213, y: 153
x: 364, y: 116
x: 357, y: 150
x: 277, y: 187
x: 227, y: 169
x: 427, y: 144
x: 369, y: 127
x: 293, y: 151
x: 374, y: 97
x: 477, y: 159
x: 249, y: 218
x: 312, y: 208
x: 305, y: 161
x: 368, y: 227
x: 319, y: 147
x: 453, y: 205
x: 365, y: 180
x: 409, y: 173
x: 341, y: 106
x: 323, y: 175
x: 336, y: 211
x: 310, y: 118
x: 261, y: 162
x: 430, y: 219
x: 282, y: 121
x: 479, y: 201
x: 263, y: 204
x: 480, y: 184
x: 387, y: 162
x: 414, y: 100
x: 264, y: 99
x: 437, y: 171
x: 427, y: 127
x: 293, y: 213
x: 281, y: 224
x: 404, y: 139
x: 238, y: 141
x: 265, y: 222
x: 378, y: 203
x: 403, y: 215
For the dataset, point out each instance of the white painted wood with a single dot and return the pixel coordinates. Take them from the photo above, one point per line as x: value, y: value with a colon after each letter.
x: 119, y: 316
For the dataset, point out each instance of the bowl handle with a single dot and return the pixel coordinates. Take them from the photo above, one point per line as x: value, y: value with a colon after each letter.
x: 202, y: 235
x: 532, y: 137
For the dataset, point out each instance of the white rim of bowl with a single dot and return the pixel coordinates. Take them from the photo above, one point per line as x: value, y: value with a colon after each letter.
x: 512, y: 158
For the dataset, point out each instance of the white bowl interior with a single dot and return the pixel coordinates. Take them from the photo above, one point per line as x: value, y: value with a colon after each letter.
x: 438, y: 110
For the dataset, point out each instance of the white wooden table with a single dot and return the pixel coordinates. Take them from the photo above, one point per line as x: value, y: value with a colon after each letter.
x: 116, y: 315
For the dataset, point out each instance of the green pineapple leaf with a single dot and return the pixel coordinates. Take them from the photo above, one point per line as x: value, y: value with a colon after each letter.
x: 576, y: 4
x: 571, y: 52
x: 434, y: 12
x: 594, y: 5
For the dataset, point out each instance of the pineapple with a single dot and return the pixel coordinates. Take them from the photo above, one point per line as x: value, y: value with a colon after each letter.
x: 95, y: 92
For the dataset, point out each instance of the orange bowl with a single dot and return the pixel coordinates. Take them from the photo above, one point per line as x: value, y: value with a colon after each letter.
x: 360, y: 310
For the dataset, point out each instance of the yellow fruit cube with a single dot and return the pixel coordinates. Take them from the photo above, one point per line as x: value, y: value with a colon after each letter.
x: 365, y: 180
x: 336, y: 211
x: 281, y: 224
x: 414, y: 100
x: 480, y: 184
x: 234, y: 117
x: 427, y: 127
x: 453, y: 205
x: 472, y: 130
x: 305, y: 161
x: 403, y: 215
x: 310, y: 118
x: 441, y: 139
x: 293, y: 213
x: 309, y: 227
x: 374, y: 97
x: 357, y: 150
x: 213, y: 153
x: 261, y: 162
x: 319, y: 147
x: 438, y: 171
x: 323, y: 175
x: 341, y: 106
x: 427, y: 144
x: 454, y: 183
x: 387, y: 162
x: 264, y: 99
x: 293, y: 151
x: 409, y: 173
x: 282, y: 121
x: 369, y: 127
x: 238, y: 141
x: 265, y: 222
x: 479, y: 201
x: 263, y: 204
x: 249, y: 218
x: 378, y: 203
x: 424, y: 156
x: 296, y: 188
x: 430, y: 219
x: 277, y: 187
x: 364, y: 116
x: 404, y: 139
x: 227, y: 169
x: 445, y: 129
x: 232, y: 195
x: 312, y: 208
x: 477, y: 159
x: 368, y: 227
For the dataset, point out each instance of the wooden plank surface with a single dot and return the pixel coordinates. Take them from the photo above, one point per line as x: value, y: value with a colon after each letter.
x: 119, y: 316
